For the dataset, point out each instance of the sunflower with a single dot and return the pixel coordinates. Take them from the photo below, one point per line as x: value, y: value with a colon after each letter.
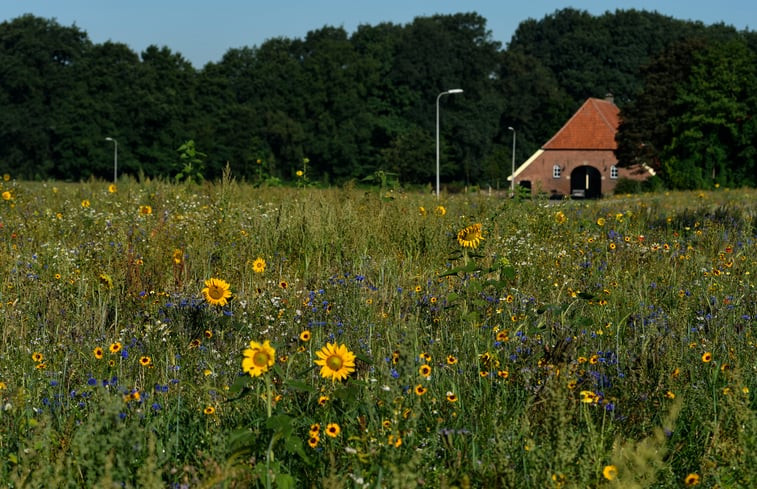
x: 98, y: 353
x: 210, y: 410
x: 216, y: 291
x: 440, y: 210
x: 451, y: 359
x: 208, y: 333
x: 313, y: 441
x: 178, y: 256
x: 145, y: 210
x: 85, y: 203
x: 106, y: 280
x: 691, y: 479
x: 707, y: 357
x: 588, y: 397
x: 258, y: 358
x: 145, y: 361
x: 560, y: 217
x: 333, y: 430
x: 305, y: 335
x: 38, y: 357
x: 424, y: 370
x: 470, y: 237
x: 451, y: 397
x: 420, y: 390
x: 7, y: 195
x: 258, y: 266
x: 115, y: 347
x: 323, y: 400
x: 610, y: 472
x: 336, y: 362
x: 112, y: 188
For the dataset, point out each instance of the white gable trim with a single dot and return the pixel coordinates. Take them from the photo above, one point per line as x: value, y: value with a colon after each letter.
x: 522, y: 167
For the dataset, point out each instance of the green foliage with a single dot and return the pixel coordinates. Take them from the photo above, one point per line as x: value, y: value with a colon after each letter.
x: 363, y: 102
x: 573, y: 336
x: 191, y: 163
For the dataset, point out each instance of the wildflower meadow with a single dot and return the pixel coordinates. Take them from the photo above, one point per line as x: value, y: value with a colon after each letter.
x: 223, y: 335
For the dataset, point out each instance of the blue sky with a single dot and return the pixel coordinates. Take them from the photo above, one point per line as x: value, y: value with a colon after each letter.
x: 202, y: 31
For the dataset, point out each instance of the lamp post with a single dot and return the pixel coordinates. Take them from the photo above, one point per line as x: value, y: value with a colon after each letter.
x: 512, y: 171
x: 115, y: 158
x: 448, y: 92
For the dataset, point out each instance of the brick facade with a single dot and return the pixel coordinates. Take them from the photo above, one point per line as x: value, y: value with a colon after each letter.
x: 579, y: 160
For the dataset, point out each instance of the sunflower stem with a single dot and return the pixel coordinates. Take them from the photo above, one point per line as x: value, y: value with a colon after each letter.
x: 268, y: 406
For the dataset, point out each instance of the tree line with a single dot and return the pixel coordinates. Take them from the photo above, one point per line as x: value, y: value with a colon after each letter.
x: 334, y: 107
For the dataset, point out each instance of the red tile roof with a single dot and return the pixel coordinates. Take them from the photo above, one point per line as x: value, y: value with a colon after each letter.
x: 593, y: 126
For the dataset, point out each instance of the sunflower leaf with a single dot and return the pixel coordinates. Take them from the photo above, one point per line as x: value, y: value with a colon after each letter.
x: 363, y: 358
x: 280, y: 423
x: 240, y: 385
x: 300, y: 386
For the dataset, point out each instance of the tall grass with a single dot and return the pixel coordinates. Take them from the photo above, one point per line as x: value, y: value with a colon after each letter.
x: 582, y: 344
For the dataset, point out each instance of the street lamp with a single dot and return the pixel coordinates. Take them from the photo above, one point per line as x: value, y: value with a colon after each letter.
x: 512, y: 171
x: 448, y: 92
x: 115, y: 158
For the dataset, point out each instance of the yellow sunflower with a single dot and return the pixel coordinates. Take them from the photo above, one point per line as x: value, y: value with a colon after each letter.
x: 258, y: 358
x: 98, y: 353
x: 470, y: 237
x: 112, y: 188
x: 333, y: 430
x: 145, y: 210
x: 258, y: 266
x: 216, y: 291
x: 336, y: 362
x: 610, y: 472
x: 106, y: 280
x: 691, y: 479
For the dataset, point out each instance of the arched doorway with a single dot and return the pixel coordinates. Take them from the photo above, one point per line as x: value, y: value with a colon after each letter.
x: 586, y: 182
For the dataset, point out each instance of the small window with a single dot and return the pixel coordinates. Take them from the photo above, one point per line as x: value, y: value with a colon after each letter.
x: 556, y: 171
x: 614, y: 172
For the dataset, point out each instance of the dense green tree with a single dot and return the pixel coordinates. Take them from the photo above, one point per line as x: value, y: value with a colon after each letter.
x: 713, y: 131
x: 645, y: 123
x: 166, y: 93
x: 37, y: 62
x: 364, y: 104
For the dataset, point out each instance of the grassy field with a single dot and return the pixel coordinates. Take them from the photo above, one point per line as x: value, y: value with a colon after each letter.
x: 608, y: 343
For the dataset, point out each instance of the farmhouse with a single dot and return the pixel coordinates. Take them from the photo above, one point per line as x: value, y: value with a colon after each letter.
x: 579, y: 160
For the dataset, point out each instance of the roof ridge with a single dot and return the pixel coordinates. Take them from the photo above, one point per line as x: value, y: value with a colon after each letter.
x: 592, y: 126
x: 601, y: 112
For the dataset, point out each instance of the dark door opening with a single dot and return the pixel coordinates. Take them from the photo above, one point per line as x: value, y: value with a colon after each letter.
x: 585, y: 182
